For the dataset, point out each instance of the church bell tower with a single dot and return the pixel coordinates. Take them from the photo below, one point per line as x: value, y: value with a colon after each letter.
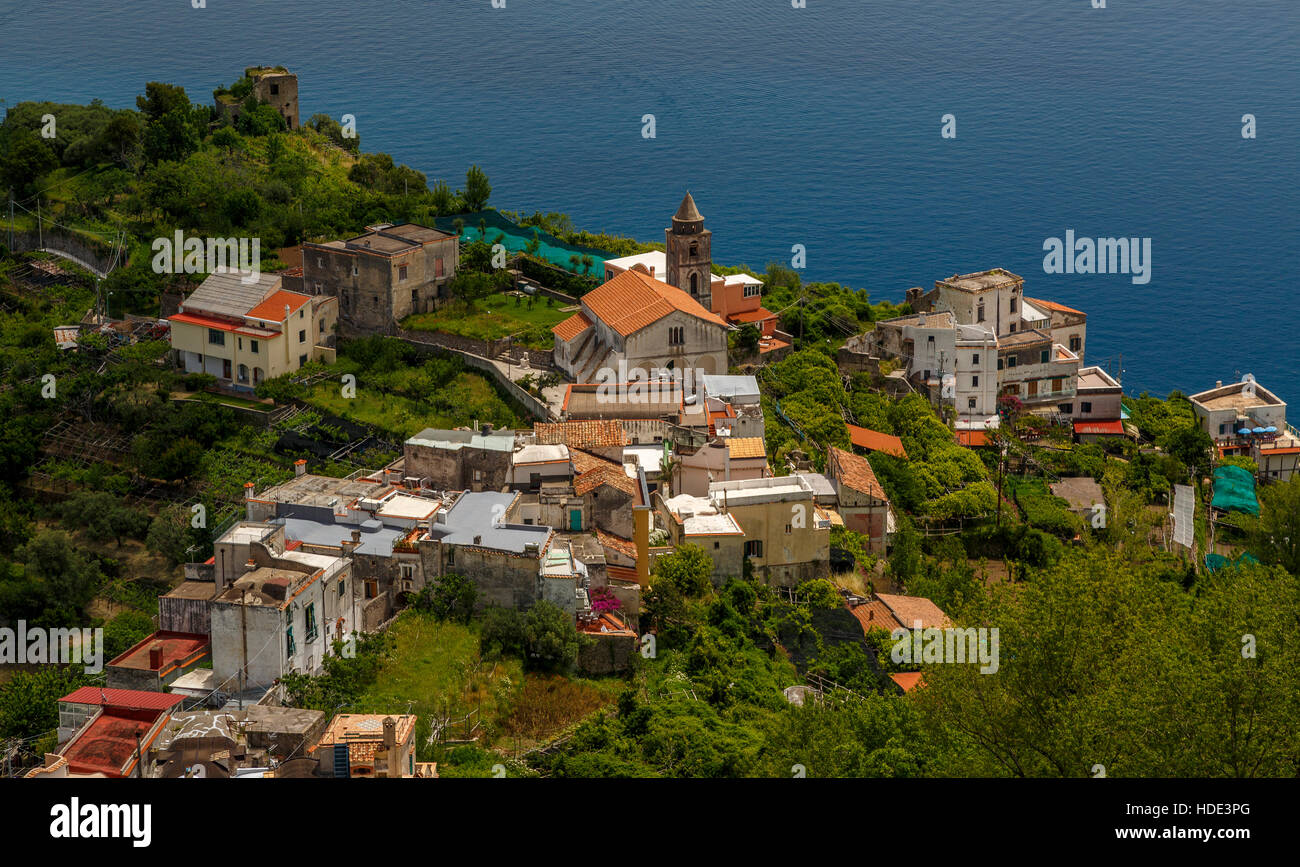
x: 690, y: 255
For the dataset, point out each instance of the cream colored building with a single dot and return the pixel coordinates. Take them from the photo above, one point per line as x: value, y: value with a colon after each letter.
x: 787, y: 536
x: 636, y: 326
x: 243, y: 333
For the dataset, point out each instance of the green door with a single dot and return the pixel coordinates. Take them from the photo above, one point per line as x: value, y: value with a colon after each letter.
x: 575, y: 520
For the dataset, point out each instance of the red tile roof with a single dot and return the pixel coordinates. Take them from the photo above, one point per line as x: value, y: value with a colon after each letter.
x: 584, y: 461
x: 272, y: 308
x: 1115, y: 427
x: 583, y: 434
x: 746, y: 447
x: 1052, y: 305
x: 608, y: 474
x: 623, y: 546
x: 972, y: 438
x: 876, y: 615
x: 178, y: 648
x: 908, y: 680
x: 123, y: 698
x: 875, y: 441
x: 631, y: 300
x: 572, y: 327
x: 855, y: 473
x: 909, y: 609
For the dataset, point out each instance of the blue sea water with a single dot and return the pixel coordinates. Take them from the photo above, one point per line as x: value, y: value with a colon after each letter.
x: 817, y: 126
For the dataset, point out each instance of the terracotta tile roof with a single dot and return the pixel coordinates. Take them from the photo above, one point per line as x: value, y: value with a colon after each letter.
x: 909, y: 609
x: 584, y: 434
x: 875, y: 441
x: 855, y: 473
x: 908, y: 680
x: 272, y: 308
x: 1052, y: 305
x: 584, y: 461
x: 876, y: 615
x: 572, y: 327
x: 622, y: 573
x: 746, y: 447
x: 631, y: 300
x: 609, y: 474
x: 623, y: 546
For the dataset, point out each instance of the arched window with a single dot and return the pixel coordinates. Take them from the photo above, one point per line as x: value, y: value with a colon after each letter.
x: 695, y: 249
x: 695, y: 284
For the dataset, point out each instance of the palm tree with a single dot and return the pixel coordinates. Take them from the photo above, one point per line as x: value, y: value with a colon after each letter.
x: 668, y: 467
x: 587, y: 262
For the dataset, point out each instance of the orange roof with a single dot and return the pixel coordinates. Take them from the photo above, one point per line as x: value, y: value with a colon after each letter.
x: 855, y: 473
x: 758, y: 315
x: 623, y: 546
x: 584, y: 461
x: 875, y: 615
x: 1113, y: 428
x: 909, y: 609
x: 272, y: 309
x: 584, y: 434
x: 1052, y: 305
x: 631, y: 300
x: 572, y: 327
x: 746, y: 447
x: 972, y: 438
x: 876, y: 441
x: 608, y: 474
x: 908, y: 680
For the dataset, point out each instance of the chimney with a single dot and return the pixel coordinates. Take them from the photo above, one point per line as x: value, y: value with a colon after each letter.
x: 478, y: 540
x: 248, y: 490
x: 390, y: 735
x: 156, y: 655
x: 249, y: 505
x: 300, y: 467
x: 641, y: 537
x: 487, y: 428
x: 356, y: 537
x: 1218, y: 383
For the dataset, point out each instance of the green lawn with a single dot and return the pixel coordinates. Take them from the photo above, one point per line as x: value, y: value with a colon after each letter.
x: 493, y: 318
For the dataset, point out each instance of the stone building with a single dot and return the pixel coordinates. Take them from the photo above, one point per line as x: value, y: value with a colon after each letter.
x: 383, y: 275
x: 274, y: 85
x: 461, y: 460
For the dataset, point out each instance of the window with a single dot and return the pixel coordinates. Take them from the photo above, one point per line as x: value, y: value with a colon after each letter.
x: 975, y: 358
x: 275, y: 90
x: 1011, y: 361
x: 999, y: 364
x: 300, y: 312
x: 437, y: 267
x: 320, y: 261
x: 311, y: 621
x: 751, y: 291
x: 1042, y: 356
x: 979, y: 312
x: 1013, y: 328
x: 252, y: 344
x: 1013, y: 304
x: 716, y: 545
x: 288, y: 642
x: 695, y: 284
x: 754, y: 548
x: 401, y: 273
x: 340, y: 588
x: 216, y: 338
x: 302, y: 359
x: 974, y: 382
x: 1066, y: 408
x: 1076, y: 343
x: 930, y: 340
x: 243, y: 373
x: 408, y: 571
x: 415, y: 299
x: 1033, y: 387
x: 788, y: 529
x: 302, y: 335
x: 240, y: 340
x: 321, y: 329
x: 970, y: 403
x: 372, y: 589
x: 478, y: 475
x: 451, y: 557
x: 677, y: 335
x: 1086, y: 406
x: 1057, y: 383
x: 1223, y: 428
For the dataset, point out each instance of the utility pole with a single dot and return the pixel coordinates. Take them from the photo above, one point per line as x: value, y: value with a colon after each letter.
x: 1002, y: 457
x: 40, y: 230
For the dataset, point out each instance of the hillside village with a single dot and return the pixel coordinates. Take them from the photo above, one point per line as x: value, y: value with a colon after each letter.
x: 625, y: 480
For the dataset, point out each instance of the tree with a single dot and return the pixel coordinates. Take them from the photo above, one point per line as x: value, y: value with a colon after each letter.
x: 477, y: 189
x: 689, y: 569
x: 103, y: 517
x: 70, y: 578
x: 27, y: 159
x: 125, y: 631
x: 1277, y: 532
x: 174, y: 127
x: 448, y: 597
x: 1191, y: 445
x: 552, y: 639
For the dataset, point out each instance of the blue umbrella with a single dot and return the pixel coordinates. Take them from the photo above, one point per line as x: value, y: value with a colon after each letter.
x: 1244, y: 431
x: 1270, y: 429
x: 1258, y: 430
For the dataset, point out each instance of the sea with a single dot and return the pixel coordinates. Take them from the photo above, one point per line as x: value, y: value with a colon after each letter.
x: 820, y: 124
